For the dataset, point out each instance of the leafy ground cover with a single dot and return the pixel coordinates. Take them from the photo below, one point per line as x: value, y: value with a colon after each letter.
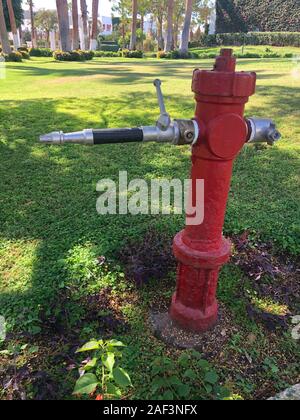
x: 250, y: 49
x: 66, y: 273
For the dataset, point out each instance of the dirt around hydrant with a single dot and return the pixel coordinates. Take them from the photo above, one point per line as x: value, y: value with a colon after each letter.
x: 208, y: 343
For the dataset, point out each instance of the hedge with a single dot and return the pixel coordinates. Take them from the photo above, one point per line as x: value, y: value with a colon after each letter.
x: 280, y: 39
x: 109, y: 47
x: 106, y: 54
x: 15, y: 57
x: 77, y: 55
x: 40, y: 52
x: 176, y: 55
x: 131, y: 54
x: 261, y: 15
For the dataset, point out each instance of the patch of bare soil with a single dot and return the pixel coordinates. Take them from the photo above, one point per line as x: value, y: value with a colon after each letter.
x: 208, y: 343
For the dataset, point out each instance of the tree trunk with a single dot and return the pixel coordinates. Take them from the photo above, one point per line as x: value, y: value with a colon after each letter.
x: 84, y: 16
x: 3, y: 32
x: 133, y: 25
x: 93, y: 43
x: 13, y: 24
x: 160, y: 37
x: 175, y: 38
x: 170, y: 36
x: 64, y: 25
x: 75, y: 32
x: 184, y: 47
x: 33, y: 34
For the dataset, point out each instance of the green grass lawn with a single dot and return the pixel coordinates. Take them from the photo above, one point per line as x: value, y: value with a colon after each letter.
x: 50, y: 232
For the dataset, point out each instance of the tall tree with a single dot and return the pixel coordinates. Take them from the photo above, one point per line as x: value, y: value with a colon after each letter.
x: 159, y: 8
x: 170, y: 28
x: 18, y: 13
x: 64, y: 24
x: 46, y: 21
x: 144, y: 7
x: 13, y: 24
x: 84, y: 17
x: 75, y: 32
x: 184, y: 46
x: 134, y: 25
x: 3, y: 31
x: 123, y: 9
x: 179, y: 9
x: 33, y: 31
x: 95, y: 10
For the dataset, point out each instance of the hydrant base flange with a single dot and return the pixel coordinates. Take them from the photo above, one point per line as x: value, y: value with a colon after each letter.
x: 195, y: 307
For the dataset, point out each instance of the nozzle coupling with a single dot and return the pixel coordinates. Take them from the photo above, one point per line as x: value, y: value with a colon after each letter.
x: 262, y: 131
x: 179, y: 132
x: 58, y: 137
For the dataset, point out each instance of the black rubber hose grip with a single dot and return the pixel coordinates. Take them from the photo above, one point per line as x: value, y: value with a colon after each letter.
x: 114, y: 136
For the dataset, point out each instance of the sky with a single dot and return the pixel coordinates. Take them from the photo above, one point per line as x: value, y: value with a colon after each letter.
x: 104, y: 6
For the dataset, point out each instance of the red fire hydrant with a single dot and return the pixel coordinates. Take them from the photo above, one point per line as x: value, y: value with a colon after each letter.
x: 202, y: 250
x: 217, y: 135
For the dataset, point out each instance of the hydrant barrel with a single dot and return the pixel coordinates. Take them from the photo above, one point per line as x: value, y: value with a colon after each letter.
x: 201, y: 249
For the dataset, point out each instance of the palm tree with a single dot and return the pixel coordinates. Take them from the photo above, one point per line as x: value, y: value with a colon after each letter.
x: 84, y: 15
x: 3, y: 32
x: 170, y: 37
x: 93, y: 42
x: 13, y: 24
x: 64, y: 24
x: 184, y: 47
x: 33, y: 33
x: 133, y: 25
x: 75, y: 33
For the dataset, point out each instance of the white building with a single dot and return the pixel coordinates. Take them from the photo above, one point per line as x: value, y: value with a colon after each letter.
x: 107, y: 25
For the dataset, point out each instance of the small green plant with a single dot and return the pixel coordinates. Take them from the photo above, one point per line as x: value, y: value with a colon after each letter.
x: 194, y: 378
x: 102, y: 372
x: 88, y: 273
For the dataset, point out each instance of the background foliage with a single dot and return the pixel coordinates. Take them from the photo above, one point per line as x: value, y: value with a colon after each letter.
x: 19, y: 14
x: 251, y: 15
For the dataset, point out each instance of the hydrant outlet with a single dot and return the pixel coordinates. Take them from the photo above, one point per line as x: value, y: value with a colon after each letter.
x: 262, y: 131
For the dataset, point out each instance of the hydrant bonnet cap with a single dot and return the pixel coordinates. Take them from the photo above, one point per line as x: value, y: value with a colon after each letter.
x: 224, y: 81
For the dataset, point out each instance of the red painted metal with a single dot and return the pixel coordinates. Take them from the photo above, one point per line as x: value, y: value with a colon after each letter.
x: 202, y: 250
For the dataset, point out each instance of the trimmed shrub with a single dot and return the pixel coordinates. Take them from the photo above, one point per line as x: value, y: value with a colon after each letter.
x: 161, y: 54
x: 23, y: 48
x: 106, y: 54
x: 132, y: 54
x: 77, y: 55
x: 25, y: 54
x: 176, y: 55
x: 40, y: 52
x: 15, y: 57
x: 279, y: 39
x: 109, y: 47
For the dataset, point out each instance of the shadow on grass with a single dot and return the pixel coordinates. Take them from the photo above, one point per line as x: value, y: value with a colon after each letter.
x: 48, y: 194
x: 122, y: 72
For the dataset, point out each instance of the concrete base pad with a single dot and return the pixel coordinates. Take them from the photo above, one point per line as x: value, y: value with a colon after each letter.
x: 209, y: 343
